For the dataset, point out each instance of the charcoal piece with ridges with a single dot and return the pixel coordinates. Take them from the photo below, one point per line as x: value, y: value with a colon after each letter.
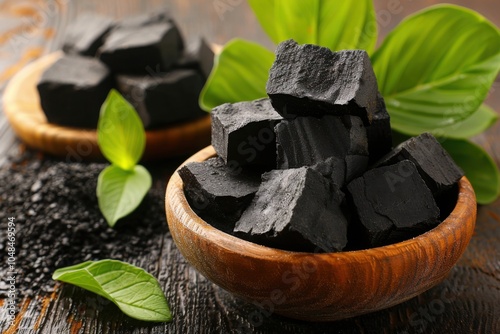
x: 147, y: 49
x: 198, y: 55
x: 73, y: 89
x: 217, y: 192
x: 309, y: 80
x: 306, y: 141
x: 358, y: 138
x: 243, y: 133
x: 392, y: 199
x: 163, y: 99
x: 85, y: 35
x: 295, y: 209
x: 379, y: 131
x: 435, y: 165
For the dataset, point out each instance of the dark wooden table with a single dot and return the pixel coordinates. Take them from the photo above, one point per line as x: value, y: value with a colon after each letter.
x: 468, y: 301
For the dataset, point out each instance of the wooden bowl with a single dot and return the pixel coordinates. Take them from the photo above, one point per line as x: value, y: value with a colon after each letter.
x: 320, y: 287
x: 22, y: 108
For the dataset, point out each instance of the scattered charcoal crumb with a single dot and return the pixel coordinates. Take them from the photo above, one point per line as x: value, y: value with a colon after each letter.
x: 58, y: 221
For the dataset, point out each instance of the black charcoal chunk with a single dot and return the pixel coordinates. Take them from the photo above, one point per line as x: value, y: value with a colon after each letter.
x: 73, y: 89
x: 392, y: 200
x: 243, y: 133
x: 358, y: 139
x: 309, y: 80
x: 356, y: 165
x: 295, y: 209
x: 85, y: 35
x: 164, y: 98
x: 214, y: 189
x: 379, y: 131
x: 307, y: 141
x: 198, y: 55
x: 435, y: 165
x: 446, y: 201
x: 147, y: 19
x: 334, y: 169
x: 144, y: 49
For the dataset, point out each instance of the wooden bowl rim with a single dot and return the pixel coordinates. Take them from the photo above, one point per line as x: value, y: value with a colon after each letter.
x: 176, y: 201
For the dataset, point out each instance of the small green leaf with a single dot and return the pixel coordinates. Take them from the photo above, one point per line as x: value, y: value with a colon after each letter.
x: 338, y: 25
x: 120, y: 132
x: 120, y: 192
x: 478, y: 166
x: 240, y: 74
x: 436, y: 67
x: 136, y: 292
x: 473, y: 125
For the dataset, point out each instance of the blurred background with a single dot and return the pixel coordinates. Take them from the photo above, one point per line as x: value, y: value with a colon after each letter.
x: 31, y: 28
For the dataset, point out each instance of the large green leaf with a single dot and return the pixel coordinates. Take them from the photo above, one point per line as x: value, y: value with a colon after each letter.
x: 120, y: 132
x: 335, y: 24
x: 239, y: 74
x: 473, y: 125
x: 119, y: 191
x: 136, y: 292
x: 478, y: 166
x: 435, y: 69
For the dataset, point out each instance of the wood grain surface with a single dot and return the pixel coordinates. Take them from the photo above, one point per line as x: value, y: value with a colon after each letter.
x: 467, y: 301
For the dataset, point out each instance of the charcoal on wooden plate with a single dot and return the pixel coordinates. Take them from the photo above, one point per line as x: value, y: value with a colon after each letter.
x: 198, y: 55
x: 308, y: 141
x: 309, y: 80
x: 391, y: 200
x: 295, y: 209
x: 435, y: 165
x: 218, y: 193
x: 379, y: 131
x: 163, y: 99
x: 73, y: 89
x: 146, y: 49
x: 243, y: 133
x: 86, y: 34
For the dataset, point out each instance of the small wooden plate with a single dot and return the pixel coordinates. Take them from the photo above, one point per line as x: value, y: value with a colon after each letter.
x: 23, y: 110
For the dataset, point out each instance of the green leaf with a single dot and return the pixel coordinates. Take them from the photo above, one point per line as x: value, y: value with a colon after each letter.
x: 435, y: 69
x: 338, y: 25
x: 136, y: 292
x: 473, y: 125
x: 240, y: 74
x: 478, y: 166
x: 120, y: 191
x: 120, y: 132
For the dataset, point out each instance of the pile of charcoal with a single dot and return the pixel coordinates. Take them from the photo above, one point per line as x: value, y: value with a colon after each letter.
x: 143, y: 57
x: 58, y: 223
x: 312, y: 168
